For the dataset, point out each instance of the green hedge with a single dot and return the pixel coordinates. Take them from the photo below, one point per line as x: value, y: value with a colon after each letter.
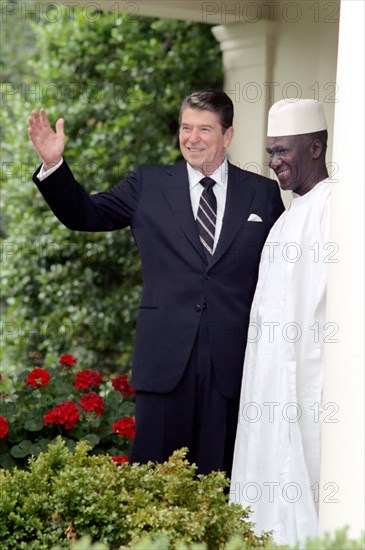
x: 65, y: 495
x: 75, y: 500
x: 339, y: 541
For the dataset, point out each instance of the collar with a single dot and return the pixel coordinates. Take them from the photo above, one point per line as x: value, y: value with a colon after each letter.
x: 297, y: 197
x: 220, y: 175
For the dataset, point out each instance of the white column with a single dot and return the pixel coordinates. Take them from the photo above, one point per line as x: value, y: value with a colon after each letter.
x: 342, y: 472
x: 246, y: 48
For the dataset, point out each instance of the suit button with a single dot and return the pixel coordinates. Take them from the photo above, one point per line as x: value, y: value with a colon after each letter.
x: 206, y: 277
x: 198, y: 308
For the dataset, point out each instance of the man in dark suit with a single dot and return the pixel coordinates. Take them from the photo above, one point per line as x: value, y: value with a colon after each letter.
x: 200, y: 226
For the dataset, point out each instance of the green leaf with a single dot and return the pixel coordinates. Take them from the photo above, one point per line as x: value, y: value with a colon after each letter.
x: 38, y: 447
x: 6, y: 461
x: 34, y: 423
x: 21, y: 450
x: 93, y: 439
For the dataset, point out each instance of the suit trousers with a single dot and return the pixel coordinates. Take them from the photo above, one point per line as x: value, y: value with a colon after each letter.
x: 193, y: 415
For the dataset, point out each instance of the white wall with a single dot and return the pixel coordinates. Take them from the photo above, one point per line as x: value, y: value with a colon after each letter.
x: 342, y: 473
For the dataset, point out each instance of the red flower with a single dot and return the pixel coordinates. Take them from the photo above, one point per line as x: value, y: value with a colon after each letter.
x: 120, y: 459
x: 3, y: 427
x: 1, y: 377
x: 67, y: 360
x: 38, y: 377
x: 120, y: 383
x: 87, y: 378
x: 125, y: 426
x: 92, y: 402
x: 65, y: 413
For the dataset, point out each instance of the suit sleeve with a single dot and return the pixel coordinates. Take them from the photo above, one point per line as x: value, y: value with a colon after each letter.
x: 77, y: 210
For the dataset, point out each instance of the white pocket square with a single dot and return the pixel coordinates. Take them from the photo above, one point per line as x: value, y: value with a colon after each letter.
x: 254, y: 218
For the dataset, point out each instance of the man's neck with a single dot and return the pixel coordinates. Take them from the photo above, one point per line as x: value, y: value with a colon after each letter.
x: 210, y: 168
x: 312, y: 182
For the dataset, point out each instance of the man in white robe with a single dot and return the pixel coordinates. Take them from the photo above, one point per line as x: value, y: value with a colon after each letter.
x: 277, y: 452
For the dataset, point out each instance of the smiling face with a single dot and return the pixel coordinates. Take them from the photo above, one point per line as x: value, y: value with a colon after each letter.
x: 203, y: 140
x: 293, y: 159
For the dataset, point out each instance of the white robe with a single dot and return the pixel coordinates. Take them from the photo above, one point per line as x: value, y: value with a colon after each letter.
x: 277, y: 452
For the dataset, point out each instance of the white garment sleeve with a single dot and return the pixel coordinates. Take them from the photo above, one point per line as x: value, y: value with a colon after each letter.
x: 43, y: 174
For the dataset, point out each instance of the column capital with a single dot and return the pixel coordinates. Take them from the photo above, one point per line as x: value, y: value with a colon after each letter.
x: 243, y: 31
x: 244, y: 44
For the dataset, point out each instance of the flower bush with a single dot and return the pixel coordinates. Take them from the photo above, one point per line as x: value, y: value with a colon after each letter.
x: 75, y: 403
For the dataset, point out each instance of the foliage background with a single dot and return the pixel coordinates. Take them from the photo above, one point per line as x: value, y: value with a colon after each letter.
x: 118, y: 81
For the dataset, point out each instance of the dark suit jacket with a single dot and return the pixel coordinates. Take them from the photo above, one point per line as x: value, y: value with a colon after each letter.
x: 178, y: 282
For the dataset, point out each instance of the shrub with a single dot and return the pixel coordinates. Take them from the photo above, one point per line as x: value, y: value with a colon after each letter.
x: 340, y: 540
x: 66, y: 495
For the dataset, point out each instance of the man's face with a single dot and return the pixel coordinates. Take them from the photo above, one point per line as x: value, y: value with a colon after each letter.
x: 291, y: 159
x: 202, y: 141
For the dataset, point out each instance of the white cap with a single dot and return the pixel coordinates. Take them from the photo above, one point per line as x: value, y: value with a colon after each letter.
x: 293, y: 117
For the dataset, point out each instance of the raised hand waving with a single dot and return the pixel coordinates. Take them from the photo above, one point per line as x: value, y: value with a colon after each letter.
x: 48, y: 143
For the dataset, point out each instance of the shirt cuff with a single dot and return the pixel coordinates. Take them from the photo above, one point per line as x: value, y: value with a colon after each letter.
x: 43, y: 174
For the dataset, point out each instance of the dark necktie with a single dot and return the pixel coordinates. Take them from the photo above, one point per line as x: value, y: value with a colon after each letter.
x: 207, y: 215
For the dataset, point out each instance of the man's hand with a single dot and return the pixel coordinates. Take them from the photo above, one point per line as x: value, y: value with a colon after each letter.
x: 48, y: 144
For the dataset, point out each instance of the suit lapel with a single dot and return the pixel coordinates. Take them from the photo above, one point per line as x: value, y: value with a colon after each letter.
x: 239, y: 198
x: 175, y: 186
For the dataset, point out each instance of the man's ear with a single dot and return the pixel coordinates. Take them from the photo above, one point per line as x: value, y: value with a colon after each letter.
x: 228, y: 135
x: 316, y: 148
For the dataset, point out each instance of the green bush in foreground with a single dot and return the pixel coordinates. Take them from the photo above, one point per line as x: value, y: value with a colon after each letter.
x: 63, y: 496
x: 339, y: 541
